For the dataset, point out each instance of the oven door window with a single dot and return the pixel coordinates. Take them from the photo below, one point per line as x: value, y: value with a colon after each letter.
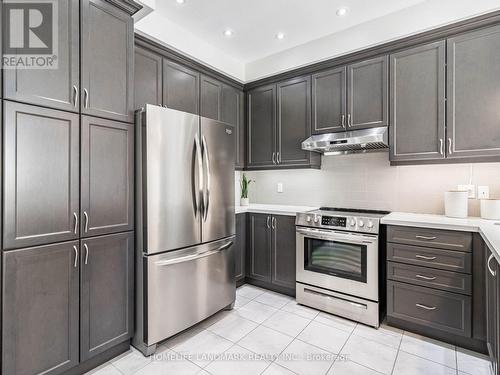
x: 340, y: 259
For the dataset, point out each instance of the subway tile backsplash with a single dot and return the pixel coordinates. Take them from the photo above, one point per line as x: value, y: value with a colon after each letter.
x: 368, y: 181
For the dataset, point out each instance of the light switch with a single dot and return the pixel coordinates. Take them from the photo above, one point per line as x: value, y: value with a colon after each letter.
x: 280, y: 187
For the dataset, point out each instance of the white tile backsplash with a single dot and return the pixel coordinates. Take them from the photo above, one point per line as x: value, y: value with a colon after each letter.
x: 369, y: 181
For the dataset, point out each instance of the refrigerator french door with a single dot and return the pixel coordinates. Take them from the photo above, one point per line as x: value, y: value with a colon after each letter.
x: 185, y: 198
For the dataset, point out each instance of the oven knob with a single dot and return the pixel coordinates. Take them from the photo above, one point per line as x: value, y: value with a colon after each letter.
x: 370, y: 224
x: 308, y: 219
x: 317, y: 219
x: 353, y: 223
x: 361, y: 224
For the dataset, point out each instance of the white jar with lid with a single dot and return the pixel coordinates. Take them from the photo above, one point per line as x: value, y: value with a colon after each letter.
x: 456, y: 203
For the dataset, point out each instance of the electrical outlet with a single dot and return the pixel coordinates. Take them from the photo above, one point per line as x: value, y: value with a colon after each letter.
x: 280, y: 187
x: 483, y: 192
x: 470, y: 188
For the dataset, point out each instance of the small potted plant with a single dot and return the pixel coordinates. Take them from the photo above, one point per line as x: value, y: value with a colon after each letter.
x: 245, y: 182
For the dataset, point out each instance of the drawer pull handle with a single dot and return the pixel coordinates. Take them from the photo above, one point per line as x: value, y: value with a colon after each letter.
x: 428, y: 308
x: 424, y: 257
x: 425, y: 238
x: 425, y: 277
x: 493, y: 273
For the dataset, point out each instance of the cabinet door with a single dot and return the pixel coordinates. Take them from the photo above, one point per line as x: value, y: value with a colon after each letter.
x: 211, y: 96
x: 473, y: 86
x: 492, y: 314
x: 240, y: 246
x: 41, y: 176
x: 262, y: 126
x: 232, y: 112
x: 367, y: 93
x: 107, y: 61
x: 329, y: 101
x: 294, y: 120
x: 107, y: 285
x: 56, y: 88
x: 107, y: 182
x: 180, y: 87
x: 259, y: 247
x: 147, y: 78
x: 40, y: 309
x: 283, y: 252
x: 417, y: 97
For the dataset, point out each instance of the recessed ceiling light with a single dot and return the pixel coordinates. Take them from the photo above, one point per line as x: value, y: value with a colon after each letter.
x: 280, y: 36
x: 180, y: 1
x: 342, y: 11
x: 228, y: 33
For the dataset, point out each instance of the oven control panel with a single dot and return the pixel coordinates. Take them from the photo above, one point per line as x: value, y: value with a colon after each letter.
x: 334, y: 221
x: 362, y: 224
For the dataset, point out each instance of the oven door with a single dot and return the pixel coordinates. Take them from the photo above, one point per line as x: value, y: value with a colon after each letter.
x: 339, y: 261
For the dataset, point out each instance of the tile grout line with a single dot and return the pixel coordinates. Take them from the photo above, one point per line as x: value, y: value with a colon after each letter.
x: 397, y: 353
x: 342, y: 348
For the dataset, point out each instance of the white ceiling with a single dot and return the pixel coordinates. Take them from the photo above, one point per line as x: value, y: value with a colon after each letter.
x: 256, y: 22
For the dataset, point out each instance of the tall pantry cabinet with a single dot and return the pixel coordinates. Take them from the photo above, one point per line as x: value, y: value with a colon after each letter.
x: 68, y: 191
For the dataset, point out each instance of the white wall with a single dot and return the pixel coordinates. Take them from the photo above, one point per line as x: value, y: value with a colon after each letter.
x: 424, y: 16
x: 177, y: 38
x: 368, y: 181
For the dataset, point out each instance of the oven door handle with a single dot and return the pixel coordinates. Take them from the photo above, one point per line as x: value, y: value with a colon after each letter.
x: 333, y: 236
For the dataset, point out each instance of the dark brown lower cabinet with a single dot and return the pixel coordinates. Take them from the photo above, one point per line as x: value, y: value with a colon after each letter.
x: 45, y: 287
x: 106, y: 305
x: 240, y: 245
x: 40, y: 309
x: 271, y: 252
x: 492, y: 310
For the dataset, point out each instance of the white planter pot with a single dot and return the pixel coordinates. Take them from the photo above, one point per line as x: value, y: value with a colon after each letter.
x: 244, y: 202
x: 490, y: 209
x: 456, y: 203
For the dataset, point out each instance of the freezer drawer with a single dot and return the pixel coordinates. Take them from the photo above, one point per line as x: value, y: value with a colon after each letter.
x: 186, y: 286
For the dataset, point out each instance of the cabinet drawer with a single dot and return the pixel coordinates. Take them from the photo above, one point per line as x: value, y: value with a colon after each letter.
x: 435, y: 258
x: 430, y: 277
x: 442, y: 239
x: 445, y: 311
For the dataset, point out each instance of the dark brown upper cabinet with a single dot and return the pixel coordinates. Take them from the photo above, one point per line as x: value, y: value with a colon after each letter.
x: 367, y: 94
x: 262, y: 127
x: 56, y: 88
x: 107, y: 61
x: 279, y: 120
x: 41, y: 175
x: 232, y: 112
x: 351, y: 97
x: 107, y: 285
x: 417, y: 96
x: 180, y: 87
x: 210, y: 97
x: 107, y: 177
x: 294, y: 121
x: 473, y: 86
x: 329, y: 105
x: 147, y: 78
x: 40, y: 309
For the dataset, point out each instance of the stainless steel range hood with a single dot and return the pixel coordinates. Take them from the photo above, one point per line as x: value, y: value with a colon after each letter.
x: 366, y: 140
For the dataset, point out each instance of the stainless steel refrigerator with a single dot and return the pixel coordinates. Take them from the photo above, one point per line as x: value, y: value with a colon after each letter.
x: 185, y: 222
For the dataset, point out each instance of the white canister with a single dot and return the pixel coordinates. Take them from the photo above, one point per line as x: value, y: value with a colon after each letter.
x: 456, y: 203
x: 490, y: 209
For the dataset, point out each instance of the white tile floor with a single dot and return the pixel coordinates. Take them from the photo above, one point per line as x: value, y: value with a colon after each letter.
x: 268, y: 333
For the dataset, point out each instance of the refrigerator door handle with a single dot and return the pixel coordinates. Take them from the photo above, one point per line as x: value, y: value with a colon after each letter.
x: 198, y: 190
x: 206, y: 199
x: 188, y: 258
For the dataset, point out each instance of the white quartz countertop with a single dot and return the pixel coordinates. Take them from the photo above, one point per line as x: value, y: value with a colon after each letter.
x: 489, y: 229
x: 273, y: 209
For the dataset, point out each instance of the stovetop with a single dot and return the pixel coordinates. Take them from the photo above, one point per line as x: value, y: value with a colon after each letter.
x: 346, y: 219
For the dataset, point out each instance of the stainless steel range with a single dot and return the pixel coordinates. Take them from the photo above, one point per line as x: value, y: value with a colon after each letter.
x: 339, y: 262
